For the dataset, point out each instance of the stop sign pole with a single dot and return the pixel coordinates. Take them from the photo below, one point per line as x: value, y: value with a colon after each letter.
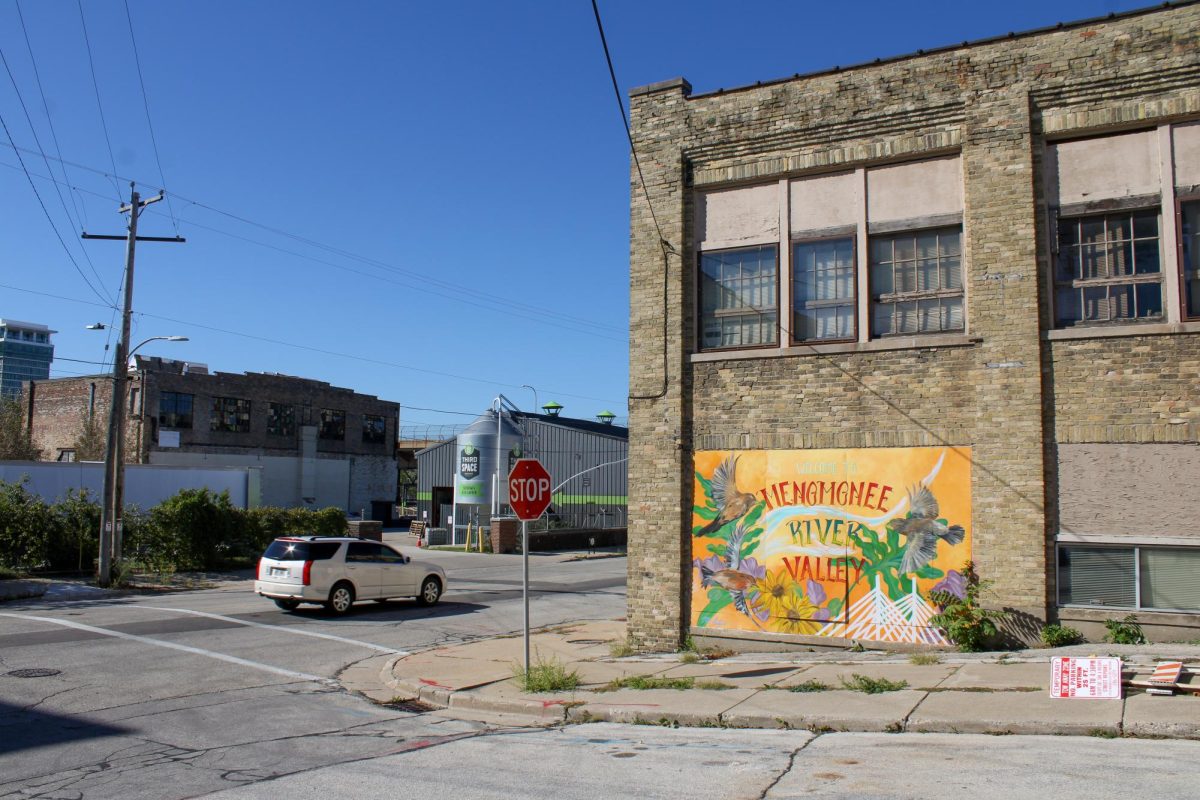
x: 529, y: 496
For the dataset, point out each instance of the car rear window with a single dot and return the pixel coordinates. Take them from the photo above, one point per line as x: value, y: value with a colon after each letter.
x: 282, y: 550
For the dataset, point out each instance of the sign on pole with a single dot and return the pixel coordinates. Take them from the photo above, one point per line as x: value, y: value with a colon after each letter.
x: 529, y: 492
x: 528, y: 489
x: 1091, y: 678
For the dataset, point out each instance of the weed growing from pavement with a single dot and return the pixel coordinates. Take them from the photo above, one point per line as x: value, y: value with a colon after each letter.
x: 809, y: 686
x: 1124, y: 631
x: 546, y: 676
x: 652, y: 682
x: 621, y: 649
x: 1056, y: 635
x: 869, y: 685
x: 689, y: 658
x: 1103, y: 733
x: 924, y: 659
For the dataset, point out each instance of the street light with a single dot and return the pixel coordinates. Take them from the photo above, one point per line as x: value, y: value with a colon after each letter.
x: 114, y: 457
x: 530, y: 388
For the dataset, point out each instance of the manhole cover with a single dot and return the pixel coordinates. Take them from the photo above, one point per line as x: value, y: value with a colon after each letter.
x: 33, y: 672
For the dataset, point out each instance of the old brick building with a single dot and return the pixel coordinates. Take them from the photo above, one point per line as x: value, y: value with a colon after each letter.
x: 317, y: 445
x: 935, y: 308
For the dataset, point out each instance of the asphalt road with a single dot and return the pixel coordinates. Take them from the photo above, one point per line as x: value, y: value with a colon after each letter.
x: 217, y: 691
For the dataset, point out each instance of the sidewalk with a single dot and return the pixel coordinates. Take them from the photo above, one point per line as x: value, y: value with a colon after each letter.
x: 995, y: 693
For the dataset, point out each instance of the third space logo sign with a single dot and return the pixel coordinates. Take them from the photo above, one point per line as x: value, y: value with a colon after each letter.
x: 468, y: 462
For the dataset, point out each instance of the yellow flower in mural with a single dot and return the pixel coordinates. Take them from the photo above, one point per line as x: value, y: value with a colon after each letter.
x: 775, y: 589
x: 797, y: 616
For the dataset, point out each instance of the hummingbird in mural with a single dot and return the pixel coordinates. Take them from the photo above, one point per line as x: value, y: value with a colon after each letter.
x: 731, y: 502
x: 923, y: 529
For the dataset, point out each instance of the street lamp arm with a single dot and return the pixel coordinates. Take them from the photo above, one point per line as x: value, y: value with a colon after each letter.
x: 589, y: 469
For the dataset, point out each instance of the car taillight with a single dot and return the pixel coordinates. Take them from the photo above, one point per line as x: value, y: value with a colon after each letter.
x: 260, y: 569
x: 307, y: 572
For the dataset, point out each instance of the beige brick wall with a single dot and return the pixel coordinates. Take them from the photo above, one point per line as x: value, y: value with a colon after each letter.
x: 1004, y: 390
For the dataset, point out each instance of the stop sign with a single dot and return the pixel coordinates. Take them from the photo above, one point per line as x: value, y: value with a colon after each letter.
x: 528, y: 489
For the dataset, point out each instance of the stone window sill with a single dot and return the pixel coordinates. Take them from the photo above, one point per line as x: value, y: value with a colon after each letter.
x: 932, y: 340
x: 1109, y: 331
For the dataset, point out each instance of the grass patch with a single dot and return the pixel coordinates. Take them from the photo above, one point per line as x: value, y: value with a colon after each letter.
x: 654, y: 682
x: 809, y: 686
x: 7, y: 574
x: 1103, y: 733
x: 546, y: 676
x: 689, y: 657
x: 868, y: 685
x: 924, y: 659
x: 621, y: 649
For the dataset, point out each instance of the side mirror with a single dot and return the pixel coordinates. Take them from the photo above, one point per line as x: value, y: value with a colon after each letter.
x: 407, y: 559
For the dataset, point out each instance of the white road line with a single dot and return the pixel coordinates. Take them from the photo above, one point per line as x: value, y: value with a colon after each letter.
x: 173, y: 646
x: 282, y: 629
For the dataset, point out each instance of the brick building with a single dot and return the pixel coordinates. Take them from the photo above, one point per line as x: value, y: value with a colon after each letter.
x: 317, y: 445
x: 937, y: 308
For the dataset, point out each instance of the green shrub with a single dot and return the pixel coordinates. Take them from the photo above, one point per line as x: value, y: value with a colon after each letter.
x: 203, y: 525
x: 74, y: 542
x: 1124, y: 631
x: 965, y: 622
x: 27, y: 525
x: 1057, y: 635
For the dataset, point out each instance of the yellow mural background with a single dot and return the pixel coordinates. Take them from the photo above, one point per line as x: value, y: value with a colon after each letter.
x: 899, y: 468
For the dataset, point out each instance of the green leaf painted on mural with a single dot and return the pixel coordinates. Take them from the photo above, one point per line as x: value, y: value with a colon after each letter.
x: 835, y: 607
x: 704, y: 512
x: 929, y: 573
x: 717, y: 549
x: 718, y: 598
x: 755, y: 513
x: 881, y: 559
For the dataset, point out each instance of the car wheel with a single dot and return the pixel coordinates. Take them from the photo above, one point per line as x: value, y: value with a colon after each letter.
x: 341, y: 597
x: 288, y: 605
x: 431, y: 591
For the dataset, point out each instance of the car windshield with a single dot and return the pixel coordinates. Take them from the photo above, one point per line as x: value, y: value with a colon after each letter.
x: 285, y: 550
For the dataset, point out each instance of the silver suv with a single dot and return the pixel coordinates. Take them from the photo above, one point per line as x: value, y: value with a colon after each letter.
x: 336, y: 571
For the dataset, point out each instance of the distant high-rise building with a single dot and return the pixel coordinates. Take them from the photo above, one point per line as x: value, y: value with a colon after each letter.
x: 25, y: 354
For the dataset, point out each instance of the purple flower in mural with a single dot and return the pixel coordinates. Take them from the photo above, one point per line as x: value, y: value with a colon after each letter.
x: 750, y: 566
x: 708, y: 568
x: 815, y: 591
x: 754, y: 600
x: 954, y: 583
x: 821, y: 614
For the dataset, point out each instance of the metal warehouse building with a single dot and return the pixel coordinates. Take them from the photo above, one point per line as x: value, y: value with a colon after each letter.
x: 457, y: 478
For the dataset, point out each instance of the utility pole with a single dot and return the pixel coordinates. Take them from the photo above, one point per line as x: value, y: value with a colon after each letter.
x: 114, y: 449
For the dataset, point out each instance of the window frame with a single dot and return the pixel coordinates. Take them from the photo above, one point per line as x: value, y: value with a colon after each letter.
x: 699, y: 299
x: 219, y: 410
x: 288, y: 431
x: 175, y: 415
x: 1181, y: 267
x: 322, y: 423
x: 1137, y: 576
x: 793, y: 339
x: 872, y: 300
x: 382, y: 433
x: 1159, y: 278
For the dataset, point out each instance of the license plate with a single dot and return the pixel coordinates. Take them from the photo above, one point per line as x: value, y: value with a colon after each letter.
x: 278, y: 571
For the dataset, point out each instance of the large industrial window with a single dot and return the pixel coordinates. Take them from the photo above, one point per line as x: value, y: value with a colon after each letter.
x: 374, y: 429
x: 174, y: 410
x: 333, y: 424
x: 1189, y: 252
x: 916, y: 282
x: 1150, y: 578
x: 231, y: 414
x: 739, y: 306
x: 823, y: 304
x: 1108, y: 269
x: 281, y: 419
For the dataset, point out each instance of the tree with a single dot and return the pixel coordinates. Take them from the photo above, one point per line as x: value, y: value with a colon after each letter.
x: 90, y: 443
x: 15, y: 441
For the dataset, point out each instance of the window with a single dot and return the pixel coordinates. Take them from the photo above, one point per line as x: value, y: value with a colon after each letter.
x: 281, y: 419
x: 916, y: 282
x: 1108, y: 269
x: 1189, y: 254
x: 174, y: 410
x: 66, y: 455
x: 1141, y: 578
x: 333, y: 424
x: 231, y: 414
x: 823, y: 297
x: 374, y: 429
x: 738, y: 303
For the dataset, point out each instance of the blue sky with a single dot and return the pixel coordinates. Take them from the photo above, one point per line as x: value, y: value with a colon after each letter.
x: 426, y: 202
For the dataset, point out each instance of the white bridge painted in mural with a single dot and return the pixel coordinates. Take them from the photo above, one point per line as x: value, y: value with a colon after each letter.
x: 875, y: 617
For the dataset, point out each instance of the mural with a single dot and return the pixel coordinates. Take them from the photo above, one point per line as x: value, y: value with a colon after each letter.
x: 844, y: 543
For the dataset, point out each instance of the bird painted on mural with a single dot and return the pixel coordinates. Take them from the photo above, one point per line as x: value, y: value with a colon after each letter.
x: 731, y: 503
x: 733, y: 578
x: 923, y: 529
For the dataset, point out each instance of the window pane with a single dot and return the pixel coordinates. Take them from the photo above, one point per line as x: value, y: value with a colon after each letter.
x: 881, y: 279
x: 950, y: 242
x: 1120, y: 258
x: 1067, y: 306
x: 1149, y: 300
x: 1095, y: 303
x: 916, y: 284
x: 881, y: 323
x: 1170, y: 578
x: 927, y: 245
x: 1093, y: 262
x: 1121, y: 301
x: 905, y: 248
x: 1191, y: 257
x: 1091, y: 230
x: 1145, y: 256
x: 822, y: 289
x: 881, y: 250
x: 1097, y: 576
x: 738, y: 297
x: 1120, y: 245
x: 952, y: 273
x: 952, y: 314
x: 1145, y: 224
x: 928, y: 275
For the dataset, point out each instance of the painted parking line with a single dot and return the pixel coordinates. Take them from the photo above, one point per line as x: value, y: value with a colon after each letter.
x: 283, y: 629
x: 133, y: 637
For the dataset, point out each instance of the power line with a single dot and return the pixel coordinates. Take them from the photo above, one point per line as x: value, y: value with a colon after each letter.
x: 99, y: 105
x: 74, y: 263
x: 309, y: 348
x: 382, y: 265
x: 37, y: 140
x: 146, y: 104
